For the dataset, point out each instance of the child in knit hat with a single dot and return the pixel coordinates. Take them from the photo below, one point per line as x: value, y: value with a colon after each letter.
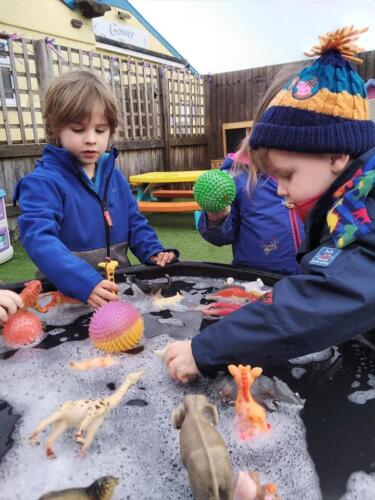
x: 317, y: 139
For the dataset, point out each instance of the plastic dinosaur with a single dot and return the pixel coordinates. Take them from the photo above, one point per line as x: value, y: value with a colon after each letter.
x: 249, y: 487
x: 251, y: 416
x: 85, y: 415
x: 203, y: 450
x: 101, y: 489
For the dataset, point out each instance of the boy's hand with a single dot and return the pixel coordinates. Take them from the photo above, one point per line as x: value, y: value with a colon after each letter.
x: 180, y: 362
x: 215, y: 218
x: 102, y: 293
x: 9, y: 303
x: 163, y: 258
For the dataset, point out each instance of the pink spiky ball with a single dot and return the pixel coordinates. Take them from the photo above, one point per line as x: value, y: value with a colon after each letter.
x: 23, y: 329
x: 116, y: 327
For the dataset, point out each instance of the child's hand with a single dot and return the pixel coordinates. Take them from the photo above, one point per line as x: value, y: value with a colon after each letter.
x: 102, y: 293
x: 163, y: 258
x: 215, y: 218
x: 9, y: 302
x: 180, y: 362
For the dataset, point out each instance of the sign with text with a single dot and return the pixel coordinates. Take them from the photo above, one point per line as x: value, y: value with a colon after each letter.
x: 120, y: 32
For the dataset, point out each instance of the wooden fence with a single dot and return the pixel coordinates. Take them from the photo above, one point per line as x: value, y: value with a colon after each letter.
x: 162, y: 113
x: 234, y: 96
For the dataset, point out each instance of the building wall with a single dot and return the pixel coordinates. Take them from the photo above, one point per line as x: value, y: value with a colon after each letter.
x: 39, y: 18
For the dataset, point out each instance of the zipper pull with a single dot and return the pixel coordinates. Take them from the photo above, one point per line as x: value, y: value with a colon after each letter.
x: 107, y: 217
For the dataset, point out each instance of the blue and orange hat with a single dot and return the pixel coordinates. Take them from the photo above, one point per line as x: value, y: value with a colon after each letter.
x: 324, y: 108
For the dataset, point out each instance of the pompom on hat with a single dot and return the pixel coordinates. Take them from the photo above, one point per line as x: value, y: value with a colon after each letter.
x: 324, y: 108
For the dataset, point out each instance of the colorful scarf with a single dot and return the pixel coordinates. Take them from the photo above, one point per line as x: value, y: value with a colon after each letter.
x: 348, y: 219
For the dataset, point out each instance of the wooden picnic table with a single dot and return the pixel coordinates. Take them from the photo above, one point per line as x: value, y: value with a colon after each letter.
x: 146, y: 183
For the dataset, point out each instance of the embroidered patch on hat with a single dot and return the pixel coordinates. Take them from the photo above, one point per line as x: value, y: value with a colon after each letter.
x: 325, y: 256
x: 304, y: 89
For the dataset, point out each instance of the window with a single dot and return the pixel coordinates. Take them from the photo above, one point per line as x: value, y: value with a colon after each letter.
x: 6, y: 74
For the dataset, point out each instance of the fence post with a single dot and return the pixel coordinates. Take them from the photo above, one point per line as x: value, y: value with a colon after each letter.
x: 207, y: 117
x: 164, y: 116
x: 44, y: 65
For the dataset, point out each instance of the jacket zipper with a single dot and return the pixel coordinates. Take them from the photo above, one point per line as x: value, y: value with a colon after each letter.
x: 105, y: 212
x: 295, y: 228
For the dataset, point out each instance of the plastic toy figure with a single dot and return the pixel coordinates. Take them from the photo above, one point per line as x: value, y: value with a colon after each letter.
x: 248, y: 487
x: 251, y: 416
x: 85, y: 415
x: 101, y: 489
x: 203, y: 450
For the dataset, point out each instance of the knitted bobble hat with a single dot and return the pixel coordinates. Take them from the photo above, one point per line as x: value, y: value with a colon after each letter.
x: 324, y: 108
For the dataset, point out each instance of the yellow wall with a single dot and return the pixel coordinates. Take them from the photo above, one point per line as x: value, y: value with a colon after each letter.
x: 39, y: 18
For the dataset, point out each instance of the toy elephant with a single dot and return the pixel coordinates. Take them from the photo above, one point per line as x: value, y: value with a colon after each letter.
x: 203, y: 450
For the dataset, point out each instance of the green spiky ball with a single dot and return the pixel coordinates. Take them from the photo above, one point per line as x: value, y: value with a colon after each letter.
x: 214, y: 190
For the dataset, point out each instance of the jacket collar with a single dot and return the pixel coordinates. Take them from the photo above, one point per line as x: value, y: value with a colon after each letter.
x: 63, y: 159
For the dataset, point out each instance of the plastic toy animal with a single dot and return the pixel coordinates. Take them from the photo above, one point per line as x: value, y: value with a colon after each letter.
x: 57, y: 299
x: 217, y: 310
x: 239, y: 294
x: 248, y: 487
x: 30, y: 294
x: 203, y: 450
x: 85, y: 415
x: 90, y: 364
x: 251, y: 416
x: 109, y: 267
x: 101, y: 489
x: 162, y: 303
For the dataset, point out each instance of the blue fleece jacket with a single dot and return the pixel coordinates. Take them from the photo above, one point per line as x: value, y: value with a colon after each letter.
x: 332, y: 300
x: 63, y: 212
x: 264, y: 233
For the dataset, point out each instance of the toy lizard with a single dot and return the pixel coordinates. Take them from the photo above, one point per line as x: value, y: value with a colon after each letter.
x: 93, y: 363
x: 101, y: 489
x: 85, y: 415
x: 203, y: 450
x: 251, y: 416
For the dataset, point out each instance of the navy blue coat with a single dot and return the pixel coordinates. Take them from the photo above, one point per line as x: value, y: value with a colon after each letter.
x: 321, y: 307
x: 264, y: 233
x: 62, y: 224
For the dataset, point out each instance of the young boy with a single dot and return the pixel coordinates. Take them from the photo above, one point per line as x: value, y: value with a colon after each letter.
x: 317, y: 140
x: 77, y: 208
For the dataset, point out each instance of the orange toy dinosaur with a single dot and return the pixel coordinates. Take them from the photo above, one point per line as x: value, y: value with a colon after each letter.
x: 251, y: 416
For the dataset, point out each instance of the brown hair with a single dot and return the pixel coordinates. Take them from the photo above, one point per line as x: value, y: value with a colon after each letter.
x: 70, y: 98
x: 256, y: 158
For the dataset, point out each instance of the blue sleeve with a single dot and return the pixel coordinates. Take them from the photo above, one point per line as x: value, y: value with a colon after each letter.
x: 42, y: 209
x: 143, y: 240
x: 226, y: 232
x: 321, y: 307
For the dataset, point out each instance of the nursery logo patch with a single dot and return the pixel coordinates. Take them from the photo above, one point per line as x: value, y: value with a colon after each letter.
x: 325, y: 256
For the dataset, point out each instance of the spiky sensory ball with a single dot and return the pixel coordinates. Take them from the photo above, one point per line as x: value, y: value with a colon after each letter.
x: 116, y: 327
x: 23, y: 329
x: 214, y: 190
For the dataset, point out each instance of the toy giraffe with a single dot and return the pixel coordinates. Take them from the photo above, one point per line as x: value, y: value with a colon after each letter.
x: 251, y: 416
x: 85, y: 415
x: 109, y: 267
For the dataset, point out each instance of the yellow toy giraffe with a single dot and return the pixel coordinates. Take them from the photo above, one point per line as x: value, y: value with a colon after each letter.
x: 109, y: 267
x: 251, y: 416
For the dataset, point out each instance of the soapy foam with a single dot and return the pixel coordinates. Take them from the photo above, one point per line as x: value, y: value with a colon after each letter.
x: 360, y: 397
x: 360, y: 486
x: 136, y: 444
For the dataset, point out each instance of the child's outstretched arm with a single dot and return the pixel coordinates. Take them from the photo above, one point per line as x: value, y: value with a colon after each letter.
x: 143, y: 240
x: 104, y: 292
x: 179, y: 361
x: 9, y: 303
x: 220, y: 228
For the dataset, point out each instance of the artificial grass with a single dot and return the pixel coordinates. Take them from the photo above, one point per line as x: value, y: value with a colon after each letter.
x: 174, y: 231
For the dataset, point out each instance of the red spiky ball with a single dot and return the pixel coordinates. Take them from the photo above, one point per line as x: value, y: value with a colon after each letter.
x: 22, y: 329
